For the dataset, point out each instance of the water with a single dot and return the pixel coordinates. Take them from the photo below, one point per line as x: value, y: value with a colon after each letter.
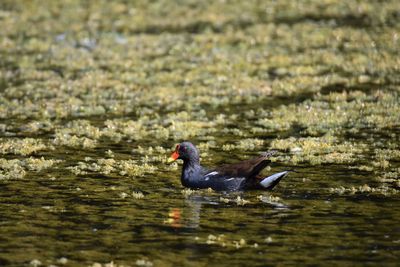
x: 86, y: 220
x: 94, y: 97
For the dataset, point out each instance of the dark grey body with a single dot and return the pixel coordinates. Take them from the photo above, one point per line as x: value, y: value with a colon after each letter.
x: 197, y: 177
x: 240, y: 176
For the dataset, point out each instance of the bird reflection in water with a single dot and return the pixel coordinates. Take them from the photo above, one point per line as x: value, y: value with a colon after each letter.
x: 189, y: 215
x: 174, y: 217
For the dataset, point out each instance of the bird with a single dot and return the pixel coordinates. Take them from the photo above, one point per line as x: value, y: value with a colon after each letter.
x: 244, y: 175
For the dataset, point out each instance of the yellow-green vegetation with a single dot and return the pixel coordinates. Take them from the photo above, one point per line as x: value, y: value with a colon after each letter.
x: 94, y: 96
x: 365, y: 189
x: 336, y: 113
x: 24, y: 147
x: 137, y: 195
x: 245, y: 144
x: 223, y: 241
x: 326, y: 149
x: 18, y: 168
x: 113, y: 264
x: 111, y: 167
x: 187, y: 192
x: 269, y: 198
x: 238, y: 200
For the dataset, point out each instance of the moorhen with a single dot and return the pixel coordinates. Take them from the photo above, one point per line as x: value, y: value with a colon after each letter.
x: 243, y: 175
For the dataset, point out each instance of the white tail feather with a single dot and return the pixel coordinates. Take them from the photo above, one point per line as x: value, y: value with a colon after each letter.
x: 272, y: 180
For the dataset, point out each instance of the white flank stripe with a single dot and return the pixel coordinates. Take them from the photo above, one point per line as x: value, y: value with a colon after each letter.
x: 211, y: 174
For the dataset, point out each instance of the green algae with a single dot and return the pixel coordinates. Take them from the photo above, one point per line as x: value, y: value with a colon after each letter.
x: 95, y: 95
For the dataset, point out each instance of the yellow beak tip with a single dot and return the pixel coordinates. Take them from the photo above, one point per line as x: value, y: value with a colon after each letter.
x: 170, y: 160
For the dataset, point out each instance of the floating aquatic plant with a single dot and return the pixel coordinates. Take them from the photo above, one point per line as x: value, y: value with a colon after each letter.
x: 187, y: 192
x: 144, y: 263
x: 18, y: 168
x: 137, y: 195
x: 62, y: 139
x: 24, y: 147
x: 364, y: 189
x: 318, y: 150
x: 112, y: 166
x: 112, y: 264
x: 35, y: 263
x: 245, y: 144
x: 223, y: 241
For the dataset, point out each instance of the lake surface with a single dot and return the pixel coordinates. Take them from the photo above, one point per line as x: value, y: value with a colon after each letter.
x: 94, y: 96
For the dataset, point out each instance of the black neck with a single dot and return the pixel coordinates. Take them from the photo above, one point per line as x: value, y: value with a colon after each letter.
x: 190, y: 169
x: 192, y: 163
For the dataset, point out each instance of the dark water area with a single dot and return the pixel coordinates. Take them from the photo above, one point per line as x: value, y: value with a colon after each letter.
x: 86, y: 220
x: 94, y: 96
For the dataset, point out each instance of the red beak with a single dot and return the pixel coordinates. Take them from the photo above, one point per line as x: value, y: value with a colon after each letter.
x: 174, y: 155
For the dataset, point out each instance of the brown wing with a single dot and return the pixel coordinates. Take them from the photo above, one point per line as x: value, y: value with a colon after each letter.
x: 247, y: 168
